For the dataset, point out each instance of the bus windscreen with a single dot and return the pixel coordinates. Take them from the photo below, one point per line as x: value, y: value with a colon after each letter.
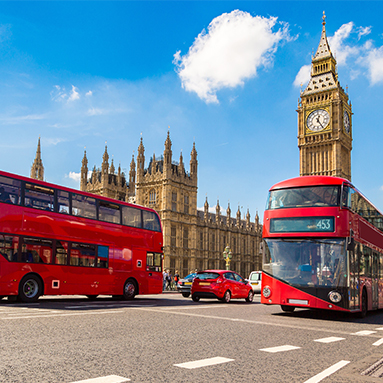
x: 313, y: 196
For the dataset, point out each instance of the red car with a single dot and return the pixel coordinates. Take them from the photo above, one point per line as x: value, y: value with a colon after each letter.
x: 221, y: 284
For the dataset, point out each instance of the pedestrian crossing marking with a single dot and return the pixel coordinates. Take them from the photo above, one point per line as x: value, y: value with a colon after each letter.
x: 329, y: 339
x: 105, y: 379
x: 364, y: 332
x: 279, y: 348
x: 378, y: 342
x: 204, y: 362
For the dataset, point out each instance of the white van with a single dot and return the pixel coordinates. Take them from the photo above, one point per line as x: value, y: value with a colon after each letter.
x: 255, y: 280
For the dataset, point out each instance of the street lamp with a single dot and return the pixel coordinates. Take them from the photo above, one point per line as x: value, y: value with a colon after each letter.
x: 227, y: 255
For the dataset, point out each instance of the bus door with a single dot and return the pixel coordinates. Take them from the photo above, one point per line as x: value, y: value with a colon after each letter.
x: 354, y: 279
x: 374, y: 280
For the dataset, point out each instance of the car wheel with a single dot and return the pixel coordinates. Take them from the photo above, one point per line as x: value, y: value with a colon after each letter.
x: 250, y: 296
x: 186, y: 295
x: 226, y: 297
x: 287, y: 309
x: 195, y: 298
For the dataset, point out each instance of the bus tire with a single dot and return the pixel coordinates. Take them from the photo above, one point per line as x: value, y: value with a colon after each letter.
x: 130, y: 289
x: 287, y: 309
x: 363, y: 305
x: 92, y: 297
x: 30, y: 288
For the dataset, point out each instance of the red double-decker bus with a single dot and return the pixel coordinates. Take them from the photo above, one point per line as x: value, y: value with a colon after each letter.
x: 322, y: 247
x: 59, y: 241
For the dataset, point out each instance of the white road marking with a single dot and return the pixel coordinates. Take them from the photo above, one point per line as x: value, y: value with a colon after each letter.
x: 105, y: 379
x: 329, y: 339
x: 329, y: 371
x: 378, y: 342
x: 380, y: 328
x: 364, y: 332
x: 203, y: 362
x: 279, y: 348
x: 250, y: 321
x: 63, y: 314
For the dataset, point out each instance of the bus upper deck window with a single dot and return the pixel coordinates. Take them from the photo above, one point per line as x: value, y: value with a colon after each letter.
x: 10, y: 190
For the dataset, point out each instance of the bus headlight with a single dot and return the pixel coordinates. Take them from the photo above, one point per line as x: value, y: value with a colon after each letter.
x: 334, y: 296
x: 266, y: 292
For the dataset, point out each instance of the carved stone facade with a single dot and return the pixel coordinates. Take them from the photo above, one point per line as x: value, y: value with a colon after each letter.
x: 193, y: 239
x: 324, y: 119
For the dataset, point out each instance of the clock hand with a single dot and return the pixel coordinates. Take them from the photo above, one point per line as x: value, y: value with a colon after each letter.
x: 318, y: 121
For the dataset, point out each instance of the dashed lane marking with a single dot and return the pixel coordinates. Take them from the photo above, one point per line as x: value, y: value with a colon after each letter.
x: 329, y: 371
x: 204, y: 362
x: 279, y: 348
x: 63, y: 314
x: 364, y: 332
x: 105, y: 379
x: 378, y: 342
x: 329, y: 339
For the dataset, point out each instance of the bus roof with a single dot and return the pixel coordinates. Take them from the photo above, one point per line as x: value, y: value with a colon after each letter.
x: 309, y: 181
x: 64, y: 188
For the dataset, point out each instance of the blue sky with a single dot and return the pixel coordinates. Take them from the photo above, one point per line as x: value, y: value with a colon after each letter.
x: 225, y: 75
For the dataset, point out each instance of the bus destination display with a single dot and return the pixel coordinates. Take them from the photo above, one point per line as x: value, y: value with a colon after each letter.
x: 302, y: 225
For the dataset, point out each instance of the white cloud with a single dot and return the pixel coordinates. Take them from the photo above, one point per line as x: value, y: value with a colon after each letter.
x: 363, y: 31
x: 375, y: 65
x: 74, y: 176
x: 60, y: 94
x: 74, y: 95
x: 234, y: 48
x: 338, y: 45
x: 303, y: 76
x: 89, y: 93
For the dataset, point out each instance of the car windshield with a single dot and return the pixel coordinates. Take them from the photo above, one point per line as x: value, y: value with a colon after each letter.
x: 204, y: 275
x: 304, y: 197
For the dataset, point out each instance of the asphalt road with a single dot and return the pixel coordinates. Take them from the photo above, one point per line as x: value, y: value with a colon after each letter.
x: 155, y: 339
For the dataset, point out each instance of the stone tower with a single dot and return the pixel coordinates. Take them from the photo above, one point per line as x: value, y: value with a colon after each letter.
x: 324, y: 118
x: 105, y: 181
x: 37, y: 169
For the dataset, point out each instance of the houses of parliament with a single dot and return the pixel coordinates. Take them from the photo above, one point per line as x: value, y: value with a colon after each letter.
x: 196, y: 239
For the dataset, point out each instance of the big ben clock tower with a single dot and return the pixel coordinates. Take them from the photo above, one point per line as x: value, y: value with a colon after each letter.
x: 324, y: 119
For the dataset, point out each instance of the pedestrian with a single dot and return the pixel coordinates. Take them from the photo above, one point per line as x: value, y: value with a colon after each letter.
x: 165, y: 277
x: 176, y: 279
x: 169, y: 280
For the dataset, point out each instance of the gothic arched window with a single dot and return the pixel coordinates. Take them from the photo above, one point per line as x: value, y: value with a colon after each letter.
x: 152, y: 197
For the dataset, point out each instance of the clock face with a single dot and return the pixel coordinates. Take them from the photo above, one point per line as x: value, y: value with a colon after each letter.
x: 318, y: 120
x: 346, y: 122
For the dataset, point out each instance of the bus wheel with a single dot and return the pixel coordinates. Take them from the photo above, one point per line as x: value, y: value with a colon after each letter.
x: 30, y: 289
x: 130, y: 289
x: 92, y: 297
x: 363, y: 306
x: 287, y: 309
x: 1, y: 297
